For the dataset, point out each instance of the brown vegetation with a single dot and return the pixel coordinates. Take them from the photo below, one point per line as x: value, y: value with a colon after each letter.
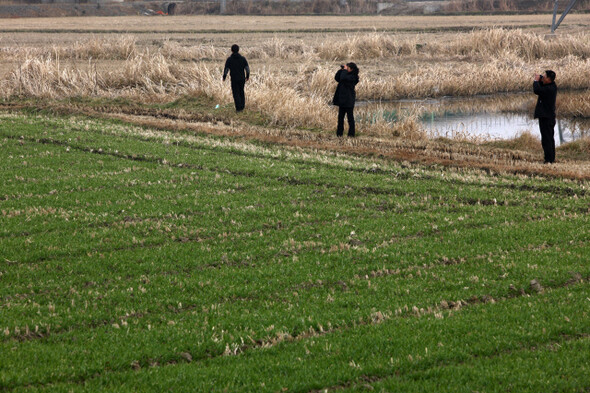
x: 292, y: 80
x: 509, y: 58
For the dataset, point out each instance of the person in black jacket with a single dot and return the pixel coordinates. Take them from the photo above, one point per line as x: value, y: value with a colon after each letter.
x: 239, y: 71
x: 345, y: 96
x: 544, y: 86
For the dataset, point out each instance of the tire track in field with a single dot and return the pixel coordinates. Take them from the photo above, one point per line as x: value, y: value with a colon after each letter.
x: 373, y: 320
x: 155, y: 244
x: 408, y: 272
x: 364, y: 382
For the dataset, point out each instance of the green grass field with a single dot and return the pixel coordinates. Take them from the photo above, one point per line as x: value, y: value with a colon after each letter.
x: 136, y: 260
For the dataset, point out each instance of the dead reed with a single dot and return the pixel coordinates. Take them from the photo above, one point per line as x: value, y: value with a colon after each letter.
x: 524, y: 142
x: 494, y: 43
x: 105, y: 48
x: 574, y: 105
x: 483, y: 62
x: 528, y: 46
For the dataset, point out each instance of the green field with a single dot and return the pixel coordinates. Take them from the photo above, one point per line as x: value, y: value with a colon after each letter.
x: 135, y: 259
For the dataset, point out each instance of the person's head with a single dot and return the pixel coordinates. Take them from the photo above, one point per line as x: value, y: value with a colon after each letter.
x: 235, y: 48
x: 352, y: 68
x: 548, y: 77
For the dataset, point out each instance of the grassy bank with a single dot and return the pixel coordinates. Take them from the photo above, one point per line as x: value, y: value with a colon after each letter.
x: 140, y: 259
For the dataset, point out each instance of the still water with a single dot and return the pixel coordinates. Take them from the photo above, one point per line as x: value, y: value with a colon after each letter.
x: 495, y: 117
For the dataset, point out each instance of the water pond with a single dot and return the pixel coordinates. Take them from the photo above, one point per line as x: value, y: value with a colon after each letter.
x: 503, y: 116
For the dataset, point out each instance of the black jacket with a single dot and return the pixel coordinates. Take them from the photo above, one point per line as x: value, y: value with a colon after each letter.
x: 546, y: 102
x: 236, y: 64
x: 345, y: 95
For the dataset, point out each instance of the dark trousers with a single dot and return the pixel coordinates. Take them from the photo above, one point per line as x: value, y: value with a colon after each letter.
x: 237, y: 90
x: 546, y: 126
x: 349, y: 112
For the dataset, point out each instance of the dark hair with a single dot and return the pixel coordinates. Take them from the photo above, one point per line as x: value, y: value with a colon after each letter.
x: 353, y: 67
x: 551, y: 75
x: 235, y: 48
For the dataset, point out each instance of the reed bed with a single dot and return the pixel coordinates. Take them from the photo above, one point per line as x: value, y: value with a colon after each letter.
x: 526, y: 45
x: 370, y: 46
x: 104, y: 48
x: 575, y: 105
x: 487, y: 43
x: 155, y: 77
x: 154, y: 72
x: 302, y: 98
x: 466, y: 79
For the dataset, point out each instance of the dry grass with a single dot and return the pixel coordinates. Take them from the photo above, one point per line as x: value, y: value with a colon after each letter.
x: 524, y: 142
x: 368, y: 46
x: 580, y: 147
x: 494, y: 43
x: 117, y: 47
x: 302, y: 98
x: 574, y: 105
x: 508, y: 58
x: 528, y: 46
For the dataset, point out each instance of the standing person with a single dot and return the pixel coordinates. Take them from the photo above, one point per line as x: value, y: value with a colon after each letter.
x: 239, y: 71
x: 544, y: 86
x: 345, y: 96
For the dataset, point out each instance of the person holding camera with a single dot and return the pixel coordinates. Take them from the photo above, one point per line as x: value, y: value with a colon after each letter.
x: 345, y: 96
x: 544, y: 86
x: 239, y: 71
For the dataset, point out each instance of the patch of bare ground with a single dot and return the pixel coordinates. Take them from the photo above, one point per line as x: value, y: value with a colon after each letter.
x: 494, y: 160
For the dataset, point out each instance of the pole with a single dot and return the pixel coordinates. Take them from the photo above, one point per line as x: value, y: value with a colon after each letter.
x: 567, y: 10
x: 554, y: 15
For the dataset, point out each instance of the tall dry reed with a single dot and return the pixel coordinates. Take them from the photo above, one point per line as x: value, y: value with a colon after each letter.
x: 494, y: 43
x: 367, y: 46
x: 529, y: 46
x: 302, y: 97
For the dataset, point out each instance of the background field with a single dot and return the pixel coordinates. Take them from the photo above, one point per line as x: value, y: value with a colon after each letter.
x: 277, y: 24
x: 151, y: 242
